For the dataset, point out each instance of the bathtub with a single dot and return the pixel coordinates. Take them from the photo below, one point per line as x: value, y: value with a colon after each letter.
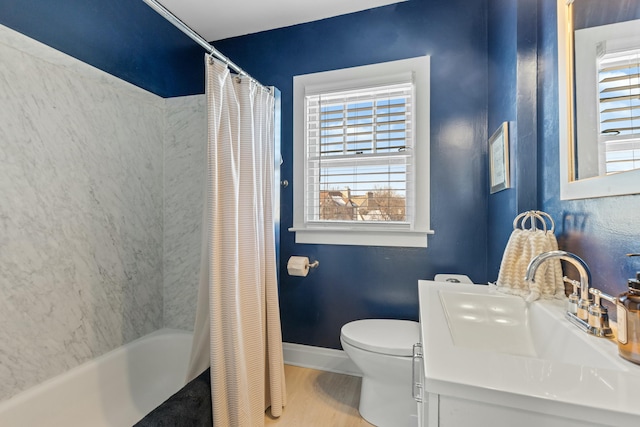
x: 115, y: 390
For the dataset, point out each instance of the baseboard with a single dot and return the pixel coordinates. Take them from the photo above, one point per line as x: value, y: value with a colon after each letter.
x: 324, y: 359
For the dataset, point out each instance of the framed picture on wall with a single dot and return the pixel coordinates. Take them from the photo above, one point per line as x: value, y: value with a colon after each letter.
x: 499, y: 158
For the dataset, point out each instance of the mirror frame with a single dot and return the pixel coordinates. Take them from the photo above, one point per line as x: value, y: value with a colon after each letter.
x: 570, y: 189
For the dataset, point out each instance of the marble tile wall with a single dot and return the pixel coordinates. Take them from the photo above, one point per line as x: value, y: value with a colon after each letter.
x: 81, y: 212
x: 185, y: 168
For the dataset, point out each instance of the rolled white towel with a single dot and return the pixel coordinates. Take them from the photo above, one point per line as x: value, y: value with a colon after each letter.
x: 514, y: 263
x: 522, y: 247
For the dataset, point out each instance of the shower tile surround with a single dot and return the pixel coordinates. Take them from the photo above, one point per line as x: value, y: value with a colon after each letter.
x: 81, y: 212
x: 184, y: 173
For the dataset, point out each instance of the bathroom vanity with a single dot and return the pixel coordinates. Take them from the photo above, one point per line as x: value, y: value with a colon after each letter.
x: 490, y: 359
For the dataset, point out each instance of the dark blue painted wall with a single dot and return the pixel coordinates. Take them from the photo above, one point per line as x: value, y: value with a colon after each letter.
x: 125, y: 38
x: 602, y: 230
x: 503, y: 79
x: 360, y: 282
x: 593, y: 13
x: 513, y: 70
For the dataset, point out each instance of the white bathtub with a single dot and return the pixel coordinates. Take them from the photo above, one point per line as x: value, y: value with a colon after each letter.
x: 115, y: 390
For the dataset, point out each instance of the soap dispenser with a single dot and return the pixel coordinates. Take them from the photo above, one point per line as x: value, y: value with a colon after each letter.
x: 629, y: 320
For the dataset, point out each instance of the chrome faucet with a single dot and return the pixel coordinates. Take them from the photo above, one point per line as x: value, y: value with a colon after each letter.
x: 581, y: 315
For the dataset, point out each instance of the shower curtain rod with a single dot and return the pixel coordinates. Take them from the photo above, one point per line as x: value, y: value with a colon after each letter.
x: 178, y: 23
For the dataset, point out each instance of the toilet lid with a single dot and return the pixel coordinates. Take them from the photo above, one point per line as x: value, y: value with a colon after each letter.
x: 385, y: 336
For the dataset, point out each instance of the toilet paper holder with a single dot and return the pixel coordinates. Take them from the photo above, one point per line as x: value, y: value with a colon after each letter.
x: 300, y: 266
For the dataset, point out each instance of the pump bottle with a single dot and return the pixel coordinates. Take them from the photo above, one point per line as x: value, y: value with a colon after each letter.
x: 629, y: 320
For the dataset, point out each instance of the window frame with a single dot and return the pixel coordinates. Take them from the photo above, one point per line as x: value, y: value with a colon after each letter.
x: 351, y: 233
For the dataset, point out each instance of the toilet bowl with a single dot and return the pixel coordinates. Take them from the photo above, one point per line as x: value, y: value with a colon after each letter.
x: 383, y: 350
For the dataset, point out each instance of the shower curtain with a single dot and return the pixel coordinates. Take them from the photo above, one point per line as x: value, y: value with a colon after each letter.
x: 237, y: 330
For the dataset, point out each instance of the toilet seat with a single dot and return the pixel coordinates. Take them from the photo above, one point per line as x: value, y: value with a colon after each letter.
x: 384, y: 336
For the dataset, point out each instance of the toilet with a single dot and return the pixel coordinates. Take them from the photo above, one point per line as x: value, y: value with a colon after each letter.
x: 383, y: 350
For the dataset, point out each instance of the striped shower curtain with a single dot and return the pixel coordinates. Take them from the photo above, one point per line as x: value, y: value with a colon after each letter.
x: 237, y: 329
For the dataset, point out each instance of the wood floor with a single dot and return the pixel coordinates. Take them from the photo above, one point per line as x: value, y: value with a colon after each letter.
x: 319, y: 399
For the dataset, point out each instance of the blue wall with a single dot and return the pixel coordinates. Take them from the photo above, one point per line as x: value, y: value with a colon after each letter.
x: 602, y: 230
x: 503, y: 79
x: 512, y: 51
x: 125, y: 38
x: 360, y: 282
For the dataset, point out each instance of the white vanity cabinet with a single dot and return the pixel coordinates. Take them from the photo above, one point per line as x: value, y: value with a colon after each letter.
x: 448, y: 411
x: 489, y: 359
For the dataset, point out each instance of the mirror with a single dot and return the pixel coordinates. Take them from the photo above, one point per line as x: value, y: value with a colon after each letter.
x: 599, y: 97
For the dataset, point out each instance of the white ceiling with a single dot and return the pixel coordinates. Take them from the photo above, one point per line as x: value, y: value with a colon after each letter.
x: 216, y: 20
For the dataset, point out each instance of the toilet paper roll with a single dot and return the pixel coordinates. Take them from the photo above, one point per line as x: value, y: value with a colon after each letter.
x: 298, y: 266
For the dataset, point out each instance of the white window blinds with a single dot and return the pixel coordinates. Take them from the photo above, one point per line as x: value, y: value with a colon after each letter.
x: 619, y: 96
x: 359, y: 155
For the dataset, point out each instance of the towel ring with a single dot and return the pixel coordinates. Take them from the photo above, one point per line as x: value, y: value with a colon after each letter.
x: 547, y: 216
x: 515, y: 221
x: 533, y: 217
x: 528, y: 215
x: 524, y: 216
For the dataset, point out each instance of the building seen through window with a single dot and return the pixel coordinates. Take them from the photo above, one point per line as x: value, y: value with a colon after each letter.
x: 378, y: 205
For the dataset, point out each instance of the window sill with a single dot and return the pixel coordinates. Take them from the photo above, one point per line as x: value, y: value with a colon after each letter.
x: 362, y: 237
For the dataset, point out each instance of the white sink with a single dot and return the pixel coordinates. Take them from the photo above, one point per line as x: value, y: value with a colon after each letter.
x: 495, y: 349
x: 507, y: 324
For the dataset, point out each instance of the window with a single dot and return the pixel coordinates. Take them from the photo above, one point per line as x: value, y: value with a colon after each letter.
x: 361, y: 155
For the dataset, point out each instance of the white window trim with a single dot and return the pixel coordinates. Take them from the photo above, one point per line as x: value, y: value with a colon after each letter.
x: 369, y: 75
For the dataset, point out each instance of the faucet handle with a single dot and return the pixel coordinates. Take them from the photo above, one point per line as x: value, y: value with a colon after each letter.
x: 599, y: 315
x: 572, y: 303
x: 572, y: 282
x: 598, y: 295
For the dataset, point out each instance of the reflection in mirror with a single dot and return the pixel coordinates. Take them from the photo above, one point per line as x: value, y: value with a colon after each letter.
x: 607, y: 90
x: 599, y: 55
